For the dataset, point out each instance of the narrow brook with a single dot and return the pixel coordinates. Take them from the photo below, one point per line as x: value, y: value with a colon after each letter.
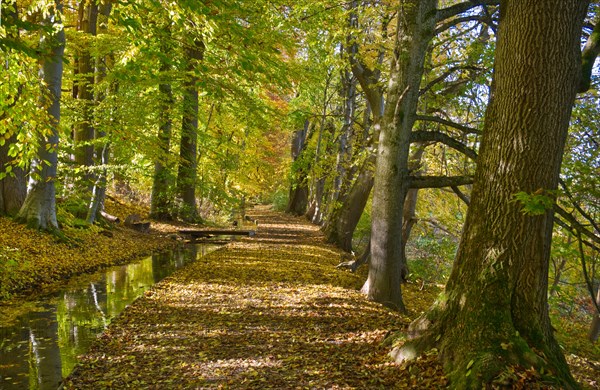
x: 41, y: 345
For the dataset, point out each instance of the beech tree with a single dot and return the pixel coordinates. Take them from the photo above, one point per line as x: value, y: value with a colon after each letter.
x: 39, y: 207
x: 186, y: 175
x: 12, y: 176
x: 160, y: 203
x: 493, y: 313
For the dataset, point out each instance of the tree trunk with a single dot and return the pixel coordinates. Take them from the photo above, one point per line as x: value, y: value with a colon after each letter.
x: 298, y: 199
x: 494, y: 312
x: 410, y: 204
x: 39, y: 209
x: 186, y: 175
x: 416, y: 20
x: 13, y: 187
x: 96, y: 207
x: 343, y: 174
x: 84, y: 131
x: 314, y: 212
x: 343, y: 220
x: 595, y: 326
x: 160, y: 204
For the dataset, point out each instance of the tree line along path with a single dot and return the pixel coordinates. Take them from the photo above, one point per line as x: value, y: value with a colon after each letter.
x: 270, y: 311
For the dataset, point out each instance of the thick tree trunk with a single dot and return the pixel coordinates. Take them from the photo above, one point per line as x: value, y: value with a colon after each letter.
x: 186, y: 175
x: 494, y: 312
x: 39, y: 209
x: 416, y: 20
x: 160, y: 203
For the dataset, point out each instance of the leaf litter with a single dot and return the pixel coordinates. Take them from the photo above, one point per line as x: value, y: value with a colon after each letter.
x: 266, y: 312
x: 271, y: 312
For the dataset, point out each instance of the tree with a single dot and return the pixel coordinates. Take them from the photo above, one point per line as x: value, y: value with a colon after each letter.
x: 344, y: 218
x: 493, y: 313
x: 98, y: 196
x: 186, y: 175
x: 39, y: 209
x: 160, y: 204
x: 12, y: 177
x: 298, y: 198
x: 387, y: 268
x: 83, y: 135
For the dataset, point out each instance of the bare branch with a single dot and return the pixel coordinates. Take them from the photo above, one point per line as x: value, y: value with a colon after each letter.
x: 463, y: 128
x: 570, y: 228
x: 575, y: 204
x: 461, y: 195
x: 576, y: 225
x: 447, y: 73
x: 454, y: 22
x: 436, y: 136
x: 439, y: 181
x: 446, y: 13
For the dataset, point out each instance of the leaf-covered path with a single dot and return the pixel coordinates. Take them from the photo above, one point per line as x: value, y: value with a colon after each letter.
x: 266, y: 312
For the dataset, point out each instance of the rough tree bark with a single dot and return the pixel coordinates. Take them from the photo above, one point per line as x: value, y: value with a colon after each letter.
x: 494, y: 311
x: 416, y: 22
x: 39, y: 209
x: 186, y: 175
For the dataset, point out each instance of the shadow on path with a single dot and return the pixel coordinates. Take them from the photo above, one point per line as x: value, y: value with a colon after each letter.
x: 265, y: 312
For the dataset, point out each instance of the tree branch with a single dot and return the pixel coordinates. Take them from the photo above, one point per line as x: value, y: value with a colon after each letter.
x: 460, y: 8
x: 575, y: 224
x: 457, y: 126
x: 591, y: 50
x: 447, y: 73
x: 570, y: 228
x: 578, y: 207
x: 436, y: 136
x: 461, y: 195
x: 454, y: 22
x: 439, y: 181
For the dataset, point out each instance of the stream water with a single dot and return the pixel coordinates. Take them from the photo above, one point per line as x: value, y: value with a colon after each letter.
x: 41, y: 345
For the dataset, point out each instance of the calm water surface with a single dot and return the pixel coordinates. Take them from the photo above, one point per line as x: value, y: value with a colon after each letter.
x: 43, y: 344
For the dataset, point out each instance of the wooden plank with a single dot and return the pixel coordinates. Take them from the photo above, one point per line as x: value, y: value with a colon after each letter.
x: 207, y: 233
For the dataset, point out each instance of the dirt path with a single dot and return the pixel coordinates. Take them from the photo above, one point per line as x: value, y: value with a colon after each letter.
x: 265, y: 312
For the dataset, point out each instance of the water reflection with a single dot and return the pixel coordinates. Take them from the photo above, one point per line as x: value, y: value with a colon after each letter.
x: 43, y: 346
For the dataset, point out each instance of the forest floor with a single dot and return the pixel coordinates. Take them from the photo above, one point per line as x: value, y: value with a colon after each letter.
x: 271, y: 311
